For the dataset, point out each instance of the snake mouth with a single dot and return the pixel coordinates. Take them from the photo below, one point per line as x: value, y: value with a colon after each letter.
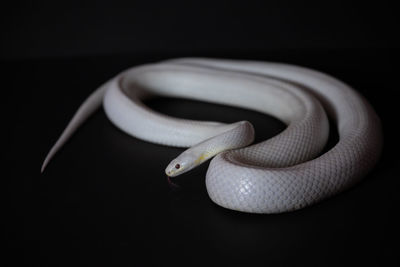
x: 174, y: 169
x: 170, y: 174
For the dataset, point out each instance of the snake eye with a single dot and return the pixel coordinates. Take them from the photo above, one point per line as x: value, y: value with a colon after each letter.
x: 177, y: 166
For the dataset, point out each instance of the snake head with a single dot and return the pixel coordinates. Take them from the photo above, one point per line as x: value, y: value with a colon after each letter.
x: 183, y: 163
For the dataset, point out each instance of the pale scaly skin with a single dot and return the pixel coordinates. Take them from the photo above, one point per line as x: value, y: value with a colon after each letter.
x: 208, y: 148
x: 281, y: 174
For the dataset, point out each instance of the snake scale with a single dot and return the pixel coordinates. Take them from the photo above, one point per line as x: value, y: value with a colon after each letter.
x: 284, y: 173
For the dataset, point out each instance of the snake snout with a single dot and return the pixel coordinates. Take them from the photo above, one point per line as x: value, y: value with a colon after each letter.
x: 174, y: 168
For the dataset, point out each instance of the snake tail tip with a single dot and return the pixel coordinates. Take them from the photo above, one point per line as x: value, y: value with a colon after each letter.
x: 44, y: 165
x: 42, y: 169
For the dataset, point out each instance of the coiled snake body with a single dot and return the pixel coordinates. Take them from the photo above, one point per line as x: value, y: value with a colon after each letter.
x: 281, y: 174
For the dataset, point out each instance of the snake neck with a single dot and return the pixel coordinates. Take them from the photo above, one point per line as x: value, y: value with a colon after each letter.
x: 238, y: 135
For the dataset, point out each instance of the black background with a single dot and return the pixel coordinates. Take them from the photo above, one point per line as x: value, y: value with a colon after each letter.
x: 104, y: 199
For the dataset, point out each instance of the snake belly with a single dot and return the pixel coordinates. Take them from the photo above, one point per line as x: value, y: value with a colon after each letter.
x: 284, y: 173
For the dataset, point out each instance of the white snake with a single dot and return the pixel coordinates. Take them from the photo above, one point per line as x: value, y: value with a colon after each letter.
x: 281, y: 174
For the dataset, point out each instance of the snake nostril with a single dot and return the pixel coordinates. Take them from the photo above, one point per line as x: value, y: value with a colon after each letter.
x: 177, y: 166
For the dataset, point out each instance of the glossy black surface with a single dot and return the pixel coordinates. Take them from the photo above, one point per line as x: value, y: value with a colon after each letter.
x: 104, y: 199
